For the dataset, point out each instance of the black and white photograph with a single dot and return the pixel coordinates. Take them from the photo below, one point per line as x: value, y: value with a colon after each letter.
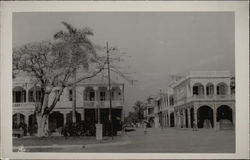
x: 124, y: 82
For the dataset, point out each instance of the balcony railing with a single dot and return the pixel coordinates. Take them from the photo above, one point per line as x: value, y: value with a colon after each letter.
x: 24, y: 104
x: 205, y: 98
x: 102, y: 104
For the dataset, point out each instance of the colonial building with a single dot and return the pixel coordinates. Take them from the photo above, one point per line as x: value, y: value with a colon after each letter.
x: 205, y: 98
x: 91, y: 94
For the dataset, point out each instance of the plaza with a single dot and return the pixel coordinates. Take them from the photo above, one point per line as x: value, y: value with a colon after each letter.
x: 170, y: 140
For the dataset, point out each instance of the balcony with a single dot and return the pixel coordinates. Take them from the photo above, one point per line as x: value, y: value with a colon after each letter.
x: 206, y: 98
x: 24, y: 104
x: 102, y: 104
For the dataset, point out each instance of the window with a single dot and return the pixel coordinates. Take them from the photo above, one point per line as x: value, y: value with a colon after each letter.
x: 70, y: 95
x: 92, y: 96
x: 102, y: 96
x: 221, y: 89
x: 195, y: 90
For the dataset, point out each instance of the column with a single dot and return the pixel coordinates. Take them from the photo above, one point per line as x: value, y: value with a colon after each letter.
x: 83, y: 105
x: 215, y: 89
x: 189, y: 118
x: 228, y: 89
x: 26, y: 120
x: 18, y: 118
x: 169, y: 121
x: 233, y: 116
x: 184, y: 118
x: 97, y: 109
x: 216, y: 126
x: 195, y: 116
x: 27, y: 93
x: 64, y: 118
x: 175, y: 119
x: 83, y: 114
x: 205, y: 90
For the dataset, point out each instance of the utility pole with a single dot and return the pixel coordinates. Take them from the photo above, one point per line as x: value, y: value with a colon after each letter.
x: 74, y: 99
x: 110, y: 94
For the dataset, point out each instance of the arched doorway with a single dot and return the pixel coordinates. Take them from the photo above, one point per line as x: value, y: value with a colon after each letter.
x: 205, y: 117
x: 55, y: 121
x: 32, y: 129
x: 224, y: 112
x: 69, y: 117
x: 225, y: 117
x: 18, y: 118
x: 171, y: 119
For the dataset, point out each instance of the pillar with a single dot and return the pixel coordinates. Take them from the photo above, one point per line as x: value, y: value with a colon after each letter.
x: 64, y: 118
x: 18, y: 118
x: 216, y: 124
x: 26, y: 119
x: 195, y: 116
x: 233, y: 116
x: 205, y: 90
x: 83, y: 114
x: 96, y: 104
x: 184, y: 118
x: 189, y: 118
x: 215, y: 89
x: 175, y: 119
x: 27, y: 93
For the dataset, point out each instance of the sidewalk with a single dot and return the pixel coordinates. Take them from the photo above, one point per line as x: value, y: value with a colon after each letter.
x: 70, y: 143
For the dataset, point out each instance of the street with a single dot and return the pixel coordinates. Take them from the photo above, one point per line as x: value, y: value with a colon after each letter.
x: 172, y: 141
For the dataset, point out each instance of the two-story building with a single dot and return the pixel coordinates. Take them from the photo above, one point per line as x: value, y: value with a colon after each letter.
x: 205, y: 98
x: 91, y: 95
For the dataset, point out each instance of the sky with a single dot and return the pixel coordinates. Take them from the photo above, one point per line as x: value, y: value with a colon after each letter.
x: 157, y: 44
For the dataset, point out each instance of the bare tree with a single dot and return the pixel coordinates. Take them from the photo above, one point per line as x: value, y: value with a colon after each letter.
x: 54, y: 64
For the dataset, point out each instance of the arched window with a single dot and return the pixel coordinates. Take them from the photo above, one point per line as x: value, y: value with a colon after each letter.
x: 221, y: 89
x: 89, y: 94
x: 35, y: 97
x: 103, y: 93
x: 198, y: 89
x: 171, y: 100
x: 210, y: 89
x: 19, y: 95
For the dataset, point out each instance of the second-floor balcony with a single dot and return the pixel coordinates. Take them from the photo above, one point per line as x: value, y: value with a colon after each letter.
x: 24, y: 104
x: 102, y: 104
x: 68, y: 104
x: 205, y: 98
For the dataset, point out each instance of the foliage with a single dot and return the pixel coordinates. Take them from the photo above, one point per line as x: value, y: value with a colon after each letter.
x: 139, y: 108
x: 52, y: 65
x: 137, y: 115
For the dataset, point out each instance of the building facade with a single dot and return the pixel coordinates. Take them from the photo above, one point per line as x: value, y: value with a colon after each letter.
x: 91, y: 95
x: 204, y: 98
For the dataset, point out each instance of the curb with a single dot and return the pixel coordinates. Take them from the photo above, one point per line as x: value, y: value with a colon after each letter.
x: 125, y: 140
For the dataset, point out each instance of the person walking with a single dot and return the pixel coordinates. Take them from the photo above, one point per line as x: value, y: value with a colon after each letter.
x: 145, y: 127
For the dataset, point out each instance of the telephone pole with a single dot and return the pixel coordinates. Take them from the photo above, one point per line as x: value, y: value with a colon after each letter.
x: 110, y: 95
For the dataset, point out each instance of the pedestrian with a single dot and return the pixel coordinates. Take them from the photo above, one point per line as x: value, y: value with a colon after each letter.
x: 145, y: 127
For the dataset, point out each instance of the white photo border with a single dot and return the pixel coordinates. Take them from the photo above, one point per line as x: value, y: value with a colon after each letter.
x: 240, y: 9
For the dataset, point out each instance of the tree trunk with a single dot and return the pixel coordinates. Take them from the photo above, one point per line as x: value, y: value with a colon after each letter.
x: 42, y: 118
x: 42, y: 125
